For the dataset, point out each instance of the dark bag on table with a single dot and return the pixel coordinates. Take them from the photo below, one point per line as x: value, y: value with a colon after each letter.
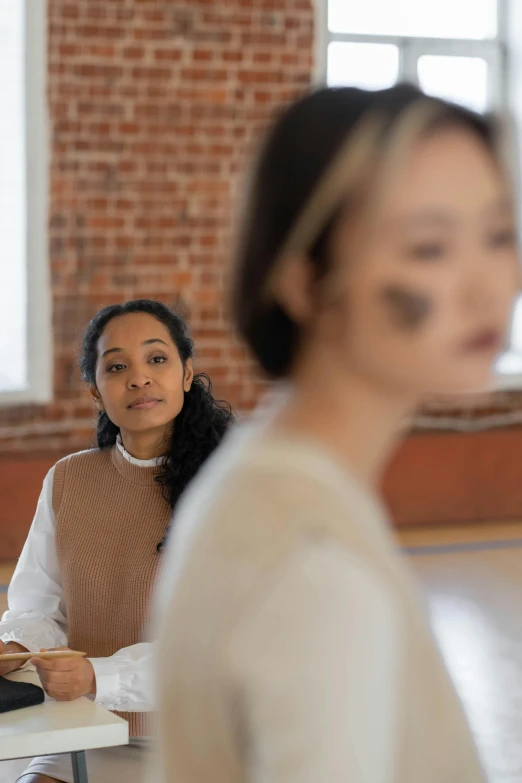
x: 15, y: 695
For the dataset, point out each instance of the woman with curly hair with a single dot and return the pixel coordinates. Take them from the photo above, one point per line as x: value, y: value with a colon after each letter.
x: 88, y: 568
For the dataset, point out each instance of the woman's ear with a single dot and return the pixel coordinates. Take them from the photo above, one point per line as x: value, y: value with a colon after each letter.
x: 294, y: 287
x: 188, y: 376
x: 95, y: 394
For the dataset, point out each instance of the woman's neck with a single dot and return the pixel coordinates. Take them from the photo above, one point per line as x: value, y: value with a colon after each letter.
x: 353, y: 417
x: 145, y: 445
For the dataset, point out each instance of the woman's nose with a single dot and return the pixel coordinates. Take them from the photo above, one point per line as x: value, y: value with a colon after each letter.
x: 139, y: 382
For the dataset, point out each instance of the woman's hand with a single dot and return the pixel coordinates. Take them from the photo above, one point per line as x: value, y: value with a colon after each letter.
x: 65, y: 679
x: 6, y: 667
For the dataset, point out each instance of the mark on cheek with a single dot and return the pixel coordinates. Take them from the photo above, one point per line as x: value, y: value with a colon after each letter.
x: 408, y: 308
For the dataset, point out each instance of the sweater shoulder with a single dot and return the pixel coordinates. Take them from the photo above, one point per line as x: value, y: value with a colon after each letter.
x: 87, y: 458
x: 78, y: 464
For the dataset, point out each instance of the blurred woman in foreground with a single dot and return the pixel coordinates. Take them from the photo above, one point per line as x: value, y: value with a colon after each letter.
x: 378, y: 265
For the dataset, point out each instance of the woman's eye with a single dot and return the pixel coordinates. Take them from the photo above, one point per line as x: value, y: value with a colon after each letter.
x: 428, y: 251
x: 506, y: 238
x: 158, y: 359
x: 115, y: 367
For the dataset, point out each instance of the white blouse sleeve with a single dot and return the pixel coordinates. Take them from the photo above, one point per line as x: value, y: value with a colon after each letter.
x: 318, y: 664
x: 36, y: 616
x: 124, y: 680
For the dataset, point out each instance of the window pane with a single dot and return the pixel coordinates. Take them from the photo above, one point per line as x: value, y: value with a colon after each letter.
x: 516, y: 332
x: 511, y: 362
x: 441, y: 19
x: 372, y: 66
x: 460, y: 79
x: 13, y: 300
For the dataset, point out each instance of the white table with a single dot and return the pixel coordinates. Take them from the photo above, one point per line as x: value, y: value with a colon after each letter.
x: 59, y: 727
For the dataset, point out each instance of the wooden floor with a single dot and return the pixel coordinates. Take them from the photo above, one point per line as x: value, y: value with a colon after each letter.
x: 461, y: 534
x: 472, y: 578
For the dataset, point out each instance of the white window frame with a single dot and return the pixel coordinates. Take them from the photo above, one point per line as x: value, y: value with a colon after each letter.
x: 412, y: 47
x: 511, y: 30
x: 39, y: 388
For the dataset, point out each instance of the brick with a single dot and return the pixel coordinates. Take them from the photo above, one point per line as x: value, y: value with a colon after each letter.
x: 155, y: 34
x: 69, y: 50
x: 93, y: 71
x: 202, y: 55
x: 232, y: 57
x: 134, y: 52
x: 130, y: 128
x: 106, y: 222
x: 70, y: 11
x: 154, y: 15
x: 204, y: 74
x: 168, y: 55
x: 124, y: 14
x: 260, y: 77
x: 262, y: 57
x: 106, y: 51
x: 151, y: 73
x: 89, y: 31
x: 96, y: 10
x: 263, y: 39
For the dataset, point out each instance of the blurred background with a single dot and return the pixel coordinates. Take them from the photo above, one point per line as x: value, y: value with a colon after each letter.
x: 125, y: 127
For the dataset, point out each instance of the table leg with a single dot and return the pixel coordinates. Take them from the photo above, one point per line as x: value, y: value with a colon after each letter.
x: 79, y: 766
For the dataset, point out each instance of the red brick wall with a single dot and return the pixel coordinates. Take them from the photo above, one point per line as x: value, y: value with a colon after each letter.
x: 153, y: 104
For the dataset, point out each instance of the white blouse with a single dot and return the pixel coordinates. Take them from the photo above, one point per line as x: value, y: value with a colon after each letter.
x: 37, y: 618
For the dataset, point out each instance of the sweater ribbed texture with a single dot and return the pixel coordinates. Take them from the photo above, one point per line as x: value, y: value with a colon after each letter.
x: 110, y: 516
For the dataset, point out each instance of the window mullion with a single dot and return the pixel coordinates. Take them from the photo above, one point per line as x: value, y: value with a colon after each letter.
x: 408, y: 60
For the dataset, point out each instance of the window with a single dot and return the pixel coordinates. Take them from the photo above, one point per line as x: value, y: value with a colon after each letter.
x: 25, y: 355
x: 451, y: 48
x: 454, y: 49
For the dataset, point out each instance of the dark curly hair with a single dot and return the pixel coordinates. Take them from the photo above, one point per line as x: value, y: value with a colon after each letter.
x: 202, y: 421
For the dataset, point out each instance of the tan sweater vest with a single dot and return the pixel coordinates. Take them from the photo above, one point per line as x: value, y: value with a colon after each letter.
x: 110, y: 517
x: 236, y: 529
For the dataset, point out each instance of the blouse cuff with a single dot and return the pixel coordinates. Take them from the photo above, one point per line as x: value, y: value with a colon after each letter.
x: 107, y: 682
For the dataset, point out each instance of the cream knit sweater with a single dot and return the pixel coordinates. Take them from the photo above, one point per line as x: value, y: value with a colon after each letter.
x: 293, y: 644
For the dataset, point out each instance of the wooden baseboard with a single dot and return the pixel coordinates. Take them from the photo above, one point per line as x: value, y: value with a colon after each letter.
x: 20, y: 486
x: 434, y: 479
x: 454, y: 478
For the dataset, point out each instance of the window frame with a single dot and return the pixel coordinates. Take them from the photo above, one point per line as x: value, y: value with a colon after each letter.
x: 493, y: 50
x: 39, y: 387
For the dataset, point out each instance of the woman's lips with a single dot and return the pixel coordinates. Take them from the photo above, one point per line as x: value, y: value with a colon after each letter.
x: 484, y: 341
x: 144, y: 404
